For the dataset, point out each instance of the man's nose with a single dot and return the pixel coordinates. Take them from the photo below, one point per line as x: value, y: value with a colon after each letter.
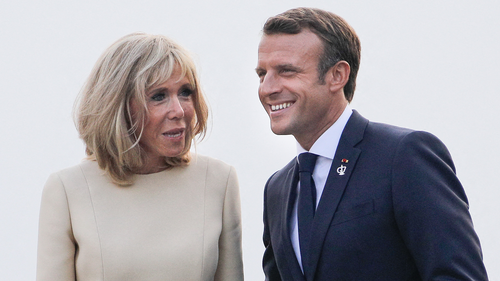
x: 269, y: 85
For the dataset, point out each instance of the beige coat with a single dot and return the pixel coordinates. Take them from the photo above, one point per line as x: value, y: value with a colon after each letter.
x: 179, y: 224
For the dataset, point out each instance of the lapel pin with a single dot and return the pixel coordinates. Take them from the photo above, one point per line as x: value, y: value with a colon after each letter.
x: 341, y: 170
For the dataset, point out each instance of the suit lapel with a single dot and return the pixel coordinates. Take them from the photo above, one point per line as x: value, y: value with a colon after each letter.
x: 291, y: 196
x: 336, y: 184
x: 289, y: 192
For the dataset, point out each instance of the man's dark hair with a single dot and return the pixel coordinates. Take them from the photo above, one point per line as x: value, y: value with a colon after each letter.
x: 340, y: 41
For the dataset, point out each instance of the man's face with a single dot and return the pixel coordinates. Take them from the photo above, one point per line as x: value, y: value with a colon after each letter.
x: 297, y: 102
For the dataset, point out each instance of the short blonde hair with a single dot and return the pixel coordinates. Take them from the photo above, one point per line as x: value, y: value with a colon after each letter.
x: 128, y: 69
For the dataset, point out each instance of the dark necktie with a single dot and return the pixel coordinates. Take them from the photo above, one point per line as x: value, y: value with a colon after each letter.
x: 307, y: 204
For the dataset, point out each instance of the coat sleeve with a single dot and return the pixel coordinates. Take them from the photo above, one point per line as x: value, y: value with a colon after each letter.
x: 432, y: 212
x: 56, y: 244
x: 268, y: 262
x: 230, y: 264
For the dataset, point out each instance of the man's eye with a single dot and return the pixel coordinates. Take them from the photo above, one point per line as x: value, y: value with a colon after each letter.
x: 261, y: 76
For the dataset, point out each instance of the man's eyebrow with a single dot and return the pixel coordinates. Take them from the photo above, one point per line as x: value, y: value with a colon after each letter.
x: 260, y: 70
x: 287, y: 66
x: 279, y: 66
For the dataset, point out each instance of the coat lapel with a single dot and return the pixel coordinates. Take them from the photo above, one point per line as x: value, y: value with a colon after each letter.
x: 336, y: 184
x: 290, y: 193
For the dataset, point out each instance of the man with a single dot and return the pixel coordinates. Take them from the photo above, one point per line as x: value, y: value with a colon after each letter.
x: 383, y: 202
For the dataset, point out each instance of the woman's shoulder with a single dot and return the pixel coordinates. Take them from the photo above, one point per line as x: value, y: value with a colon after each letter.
x: 76, y: 174
x: 85, y: 166
x: 212, y: 166
x: 207, y: 161
x: 70, y: 183
x: 218, y: 176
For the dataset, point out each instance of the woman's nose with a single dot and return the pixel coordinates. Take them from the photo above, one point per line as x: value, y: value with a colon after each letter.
x: 174, y: 110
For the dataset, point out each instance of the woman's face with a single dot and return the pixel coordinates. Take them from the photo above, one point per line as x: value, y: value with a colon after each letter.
x: 170, y: 113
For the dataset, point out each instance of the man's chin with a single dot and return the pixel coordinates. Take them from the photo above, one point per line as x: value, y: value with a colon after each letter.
x: 279, y: 130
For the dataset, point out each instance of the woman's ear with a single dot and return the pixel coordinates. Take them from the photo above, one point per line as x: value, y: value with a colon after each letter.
x: 338, y: 75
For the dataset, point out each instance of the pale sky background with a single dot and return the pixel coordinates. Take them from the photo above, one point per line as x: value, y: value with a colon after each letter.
x: 428, y: 64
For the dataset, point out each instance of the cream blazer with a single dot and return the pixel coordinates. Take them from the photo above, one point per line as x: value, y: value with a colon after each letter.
x: 179, y: 224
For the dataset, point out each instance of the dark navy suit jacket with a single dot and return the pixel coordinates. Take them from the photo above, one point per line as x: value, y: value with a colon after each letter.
x: 398, y: 213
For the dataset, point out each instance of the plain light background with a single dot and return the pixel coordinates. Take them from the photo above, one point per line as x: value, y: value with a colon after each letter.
x: 428, y: 65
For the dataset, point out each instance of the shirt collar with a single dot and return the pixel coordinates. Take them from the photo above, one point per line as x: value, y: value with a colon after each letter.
x: 326, y: 144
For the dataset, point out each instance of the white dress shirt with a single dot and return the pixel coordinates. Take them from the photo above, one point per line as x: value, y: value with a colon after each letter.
x: 325, y: 147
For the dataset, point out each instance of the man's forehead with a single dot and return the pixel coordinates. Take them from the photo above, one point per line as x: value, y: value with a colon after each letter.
x: 283, y: 40
x: 288, y: 48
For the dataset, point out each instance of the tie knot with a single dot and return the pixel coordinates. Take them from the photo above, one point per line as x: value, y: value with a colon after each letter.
x: 307, y: 161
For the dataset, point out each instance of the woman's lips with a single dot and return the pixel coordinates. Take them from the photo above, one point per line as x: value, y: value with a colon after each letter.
x: 174, y: 133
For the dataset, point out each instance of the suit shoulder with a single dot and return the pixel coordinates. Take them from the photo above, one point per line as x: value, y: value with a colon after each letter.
x: 392, y: 131
x: 387, y: 130
x: 404, y: 143
x: 382, y: 140
x: 280, y: 175
x: 380, y: 132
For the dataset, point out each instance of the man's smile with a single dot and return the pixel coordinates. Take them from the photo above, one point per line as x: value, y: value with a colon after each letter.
x: 281, y: 106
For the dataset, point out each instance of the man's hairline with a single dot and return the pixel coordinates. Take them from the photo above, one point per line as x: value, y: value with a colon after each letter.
x: 321, y: 76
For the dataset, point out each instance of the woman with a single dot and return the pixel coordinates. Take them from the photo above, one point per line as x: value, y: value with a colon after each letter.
x: 141, y: 207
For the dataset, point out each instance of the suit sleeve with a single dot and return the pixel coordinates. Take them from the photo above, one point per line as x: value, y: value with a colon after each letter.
x: 268, y: 262
x: 230, y: 264
x: 56, y: 244
x: 431, y: 211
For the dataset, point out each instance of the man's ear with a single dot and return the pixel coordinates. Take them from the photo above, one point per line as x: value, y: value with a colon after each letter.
x: 338, y: 75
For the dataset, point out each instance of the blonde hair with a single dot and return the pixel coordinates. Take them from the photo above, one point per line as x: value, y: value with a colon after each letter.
x: 128, y: 69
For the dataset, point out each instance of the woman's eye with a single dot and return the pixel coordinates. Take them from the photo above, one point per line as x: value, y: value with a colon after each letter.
x: 186, y: 92
x: 158, y: 96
